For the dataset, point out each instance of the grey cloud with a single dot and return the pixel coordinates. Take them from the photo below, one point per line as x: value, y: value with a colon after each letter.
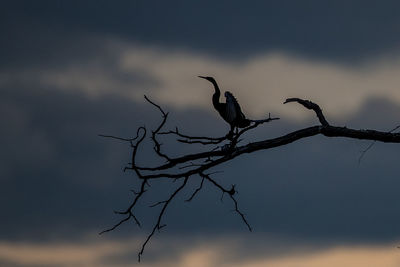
x: 63, y: 181
x: 60, y: 181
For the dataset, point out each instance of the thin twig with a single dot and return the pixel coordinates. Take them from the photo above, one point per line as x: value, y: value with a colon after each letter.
x: 118, y: 138
x: 231, y: 192
x: 176, y: 132
x: 157, y: 145
x: 196, y: 191
x: 128, y: 211
x: 240, y: 213
x: 158, y: 225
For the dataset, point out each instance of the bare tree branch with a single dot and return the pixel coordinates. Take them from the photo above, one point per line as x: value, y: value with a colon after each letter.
x: 185, y: 167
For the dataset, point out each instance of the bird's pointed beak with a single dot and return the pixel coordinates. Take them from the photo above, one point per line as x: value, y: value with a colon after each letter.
x: 202, y: 77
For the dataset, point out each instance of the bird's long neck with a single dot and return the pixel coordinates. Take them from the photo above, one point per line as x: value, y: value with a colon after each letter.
x: 216, y: 95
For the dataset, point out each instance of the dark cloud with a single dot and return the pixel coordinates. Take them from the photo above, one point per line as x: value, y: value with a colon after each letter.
x: 339, y: 30
x: 55, y: 176
x: 59, y: 180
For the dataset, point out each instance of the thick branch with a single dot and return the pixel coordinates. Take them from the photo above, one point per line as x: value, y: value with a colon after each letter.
x: 329, y: 131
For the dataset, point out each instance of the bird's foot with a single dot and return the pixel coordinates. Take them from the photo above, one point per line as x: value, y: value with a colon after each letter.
x: 229, y: 136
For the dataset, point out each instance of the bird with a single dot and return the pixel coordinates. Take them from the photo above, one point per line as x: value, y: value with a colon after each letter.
x: 229, y: 111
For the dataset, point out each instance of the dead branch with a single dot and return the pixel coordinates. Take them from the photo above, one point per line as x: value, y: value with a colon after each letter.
x: 310, y: 105
x: 186, y: 167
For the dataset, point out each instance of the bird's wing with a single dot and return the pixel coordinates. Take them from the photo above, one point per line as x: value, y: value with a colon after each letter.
x: 230, y: 109
x: 238, y: 114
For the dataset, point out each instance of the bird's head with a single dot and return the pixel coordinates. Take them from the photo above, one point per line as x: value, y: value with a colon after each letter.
x: 228, y: 94
x: 208, y: 78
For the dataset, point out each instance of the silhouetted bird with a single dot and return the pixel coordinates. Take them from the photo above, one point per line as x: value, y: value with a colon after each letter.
x: 229, y: 111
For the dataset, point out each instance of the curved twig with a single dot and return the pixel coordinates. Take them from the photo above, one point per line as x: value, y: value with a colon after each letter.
x: 310, y: 105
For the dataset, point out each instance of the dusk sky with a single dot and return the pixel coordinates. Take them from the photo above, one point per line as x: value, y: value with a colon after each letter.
x: 71, y: 70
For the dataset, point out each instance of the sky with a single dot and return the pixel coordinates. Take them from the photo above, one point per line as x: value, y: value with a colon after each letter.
x: 71, y: 70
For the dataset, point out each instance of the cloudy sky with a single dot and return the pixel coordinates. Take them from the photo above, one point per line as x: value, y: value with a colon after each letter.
x: 71, y: 70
